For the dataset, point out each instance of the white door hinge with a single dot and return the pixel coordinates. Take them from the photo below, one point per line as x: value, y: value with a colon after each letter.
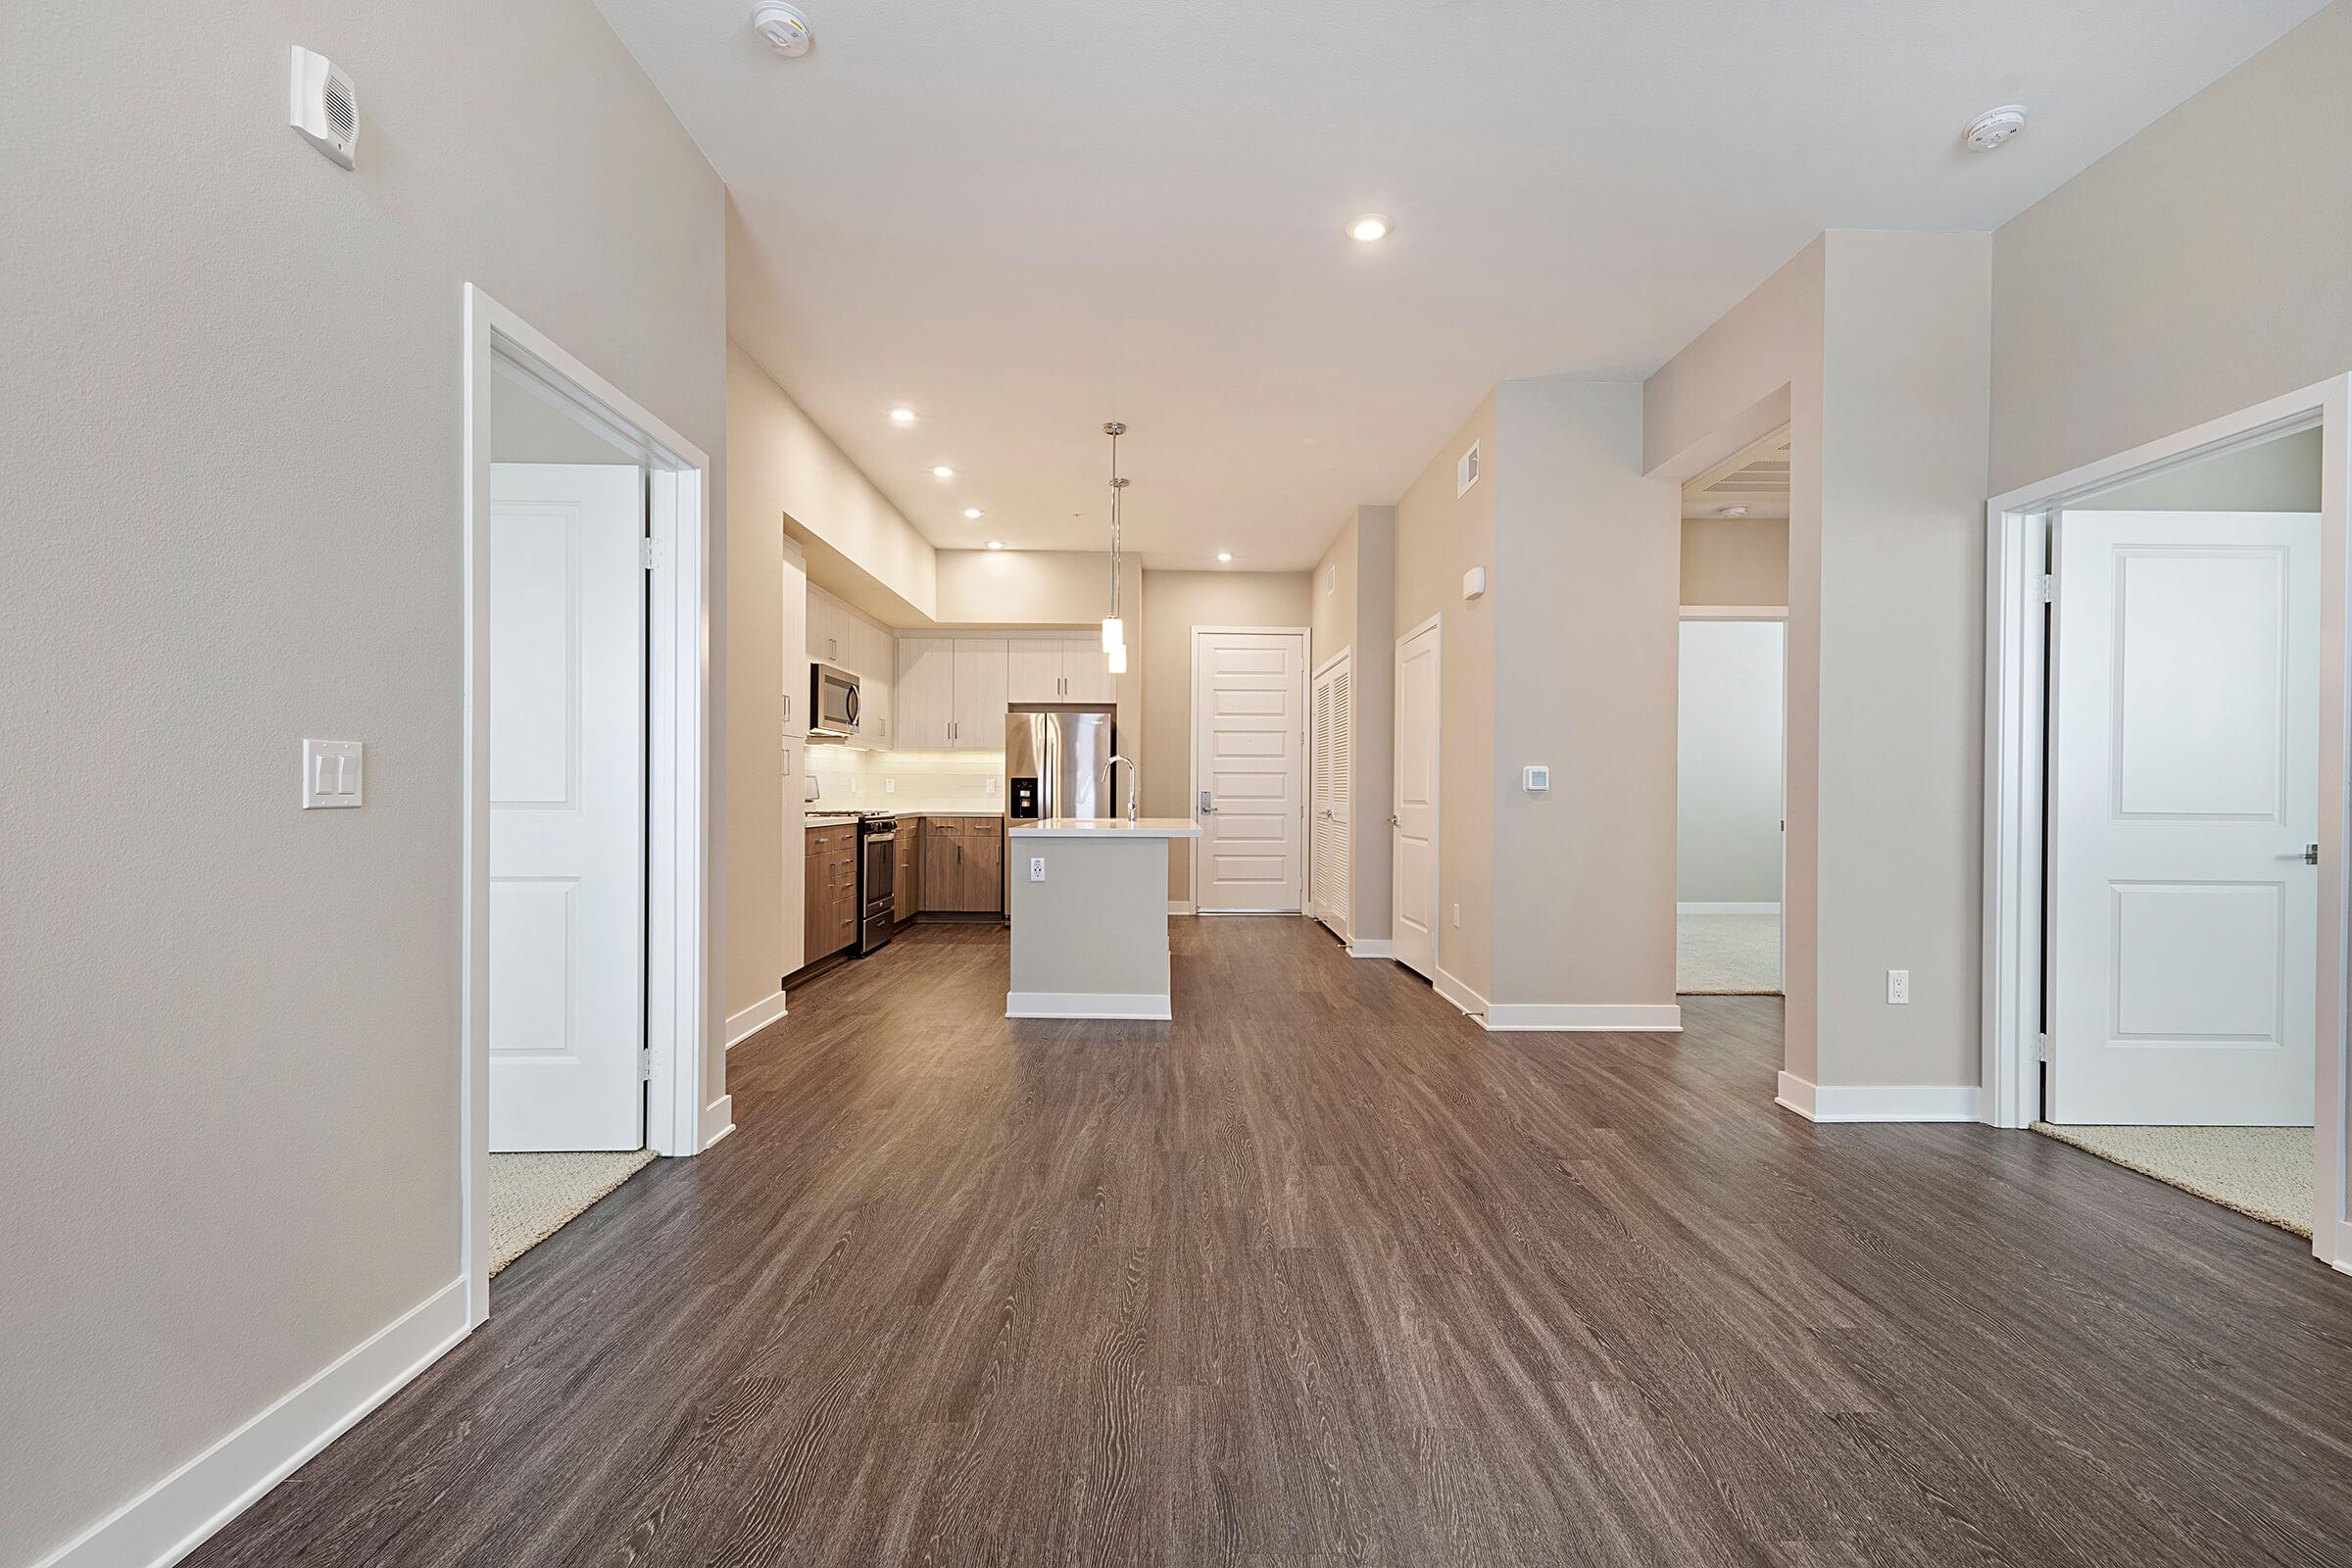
x: 2041, y: 1048
x: 650, y: 556
x: 2050, y: 589
x: 645, y: 1064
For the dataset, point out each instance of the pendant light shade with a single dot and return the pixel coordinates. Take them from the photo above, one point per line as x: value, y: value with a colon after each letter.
x: 1118, y: 661
x: 1114, y: 634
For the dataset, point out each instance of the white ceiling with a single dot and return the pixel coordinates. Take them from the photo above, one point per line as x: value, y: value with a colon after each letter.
x: 1024, y: 218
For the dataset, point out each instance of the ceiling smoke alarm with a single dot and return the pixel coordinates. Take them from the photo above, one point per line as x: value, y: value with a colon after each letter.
x: 782, y: 25
x: 1995, y: 126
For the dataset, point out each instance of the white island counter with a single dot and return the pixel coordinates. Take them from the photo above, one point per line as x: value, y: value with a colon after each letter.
x: 1089, y: 940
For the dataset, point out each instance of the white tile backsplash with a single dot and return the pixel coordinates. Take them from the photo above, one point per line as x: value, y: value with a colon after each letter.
x: 907, y: 781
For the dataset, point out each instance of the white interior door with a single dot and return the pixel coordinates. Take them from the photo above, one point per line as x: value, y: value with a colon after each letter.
x: 2185, y: 758
x: 1414, y: 877
x: 1249, y: 769
x: 567, y: 716
x: 1330, y: 822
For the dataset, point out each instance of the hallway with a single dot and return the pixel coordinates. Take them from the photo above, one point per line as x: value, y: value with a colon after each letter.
x: 1325, y: 1273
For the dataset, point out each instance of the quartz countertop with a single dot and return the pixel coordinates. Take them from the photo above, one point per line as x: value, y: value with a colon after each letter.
x: 1107, y: 827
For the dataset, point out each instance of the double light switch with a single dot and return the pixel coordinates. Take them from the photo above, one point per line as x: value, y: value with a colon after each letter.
x: 330, y: 774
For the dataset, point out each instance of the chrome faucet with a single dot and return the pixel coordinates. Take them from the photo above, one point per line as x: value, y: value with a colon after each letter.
x: 1135, y: 782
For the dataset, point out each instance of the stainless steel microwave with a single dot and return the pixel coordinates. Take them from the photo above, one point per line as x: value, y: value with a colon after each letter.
x: 832, y: 701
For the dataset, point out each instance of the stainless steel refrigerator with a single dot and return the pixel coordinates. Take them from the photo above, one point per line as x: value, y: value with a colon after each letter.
x: 1054, y: 762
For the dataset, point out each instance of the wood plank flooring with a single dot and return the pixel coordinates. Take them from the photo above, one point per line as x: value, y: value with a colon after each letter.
x: 1322, y: 1274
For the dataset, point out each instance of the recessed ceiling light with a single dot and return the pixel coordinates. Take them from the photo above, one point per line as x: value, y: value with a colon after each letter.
x: 1369, y: 227
x: 1224, y: 554
x: 996, y: 544
x: 902, y: 415
x: 1995, y: 127
x: 1731, y: 512
x: 943, y: 472
x: 973, y: 512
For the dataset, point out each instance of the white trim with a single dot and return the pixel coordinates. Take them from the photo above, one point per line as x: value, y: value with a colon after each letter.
x: 1457, y: 991
x: 2016, y: 557
x: 1522, y: 1018
x: 678, y: 832
x: 741, y: 1026
x: 1192, y: 719
x: 1369, y: 947
x: 718, y: 1120
x: 1727, y: 909
x: 184, y: 1509
x: 1181, y: 906
x: 1890, y: 1103
x: 1735, y: 611
x: 1086, y: 1005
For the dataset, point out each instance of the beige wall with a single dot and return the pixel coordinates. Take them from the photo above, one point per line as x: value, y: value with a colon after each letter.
x: 1734, y: 561
x: 1438, y: 536
x: 805, y: 480
x: 2280, y: 475
x: 1174, y: 603
x: 1031, y: 587
x: 2195, y: 271
x: 1876, y: 347
x: 232, y: 1023
x: 1583, y: 595
x: 1353, y: 594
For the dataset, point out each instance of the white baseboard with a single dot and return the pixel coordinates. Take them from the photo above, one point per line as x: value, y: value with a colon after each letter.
x: 1460, y: 995
x: 1181, y: 906
x: 178, y: 1513
x: 751, y: 1020
x: 1869, y: 1102
x: 2341, y: 1262
x: 1086, y: 1004
x: 719, y: 1119
x: 1370, y: 948
x: 1727, y: 909
x: 1581, y: 1019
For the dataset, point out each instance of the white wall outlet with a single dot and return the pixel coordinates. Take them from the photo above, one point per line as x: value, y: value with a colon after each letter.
x: 1457, y: 915
x: 890, y: 786
x: 1899, y: 987
x: 1535, y: 781
x: 989, y: 785
x: 1037, y: 868
x: 331, y: 775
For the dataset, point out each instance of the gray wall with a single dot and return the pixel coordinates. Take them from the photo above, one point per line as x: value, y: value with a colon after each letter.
x: 2197, y: 269
x: 1728, y: 763
x: 231, y: 1026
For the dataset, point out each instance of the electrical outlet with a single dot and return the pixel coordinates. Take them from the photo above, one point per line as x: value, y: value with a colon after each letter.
x: 991, y: 784
x: 1899, y: 987
x: 1457, y: 915
x: 1037, y: 868
x: 890, y: 786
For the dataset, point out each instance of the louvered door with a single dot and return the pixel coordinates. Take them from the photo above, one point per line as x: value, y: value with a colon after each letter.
x: 1333, y: 844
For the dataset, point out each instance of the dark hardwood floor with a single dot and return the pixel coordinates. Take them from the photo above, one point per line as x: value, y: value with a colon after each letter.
x: 1323, y: 1274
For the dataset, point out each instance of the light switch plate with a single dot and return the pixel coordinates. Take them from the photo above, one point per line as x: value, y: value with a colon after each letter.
x: 333, y: 774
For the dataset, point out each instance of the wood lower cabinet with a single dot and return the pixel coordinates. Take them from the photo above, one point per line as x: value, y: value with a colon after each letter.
x: 963, y: 865
x: 830, y: 915
x: 907, y: 890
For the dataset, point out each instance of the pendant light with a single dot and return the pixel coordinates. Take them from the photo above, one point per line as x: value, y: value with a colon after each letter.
x: 1114, y: 630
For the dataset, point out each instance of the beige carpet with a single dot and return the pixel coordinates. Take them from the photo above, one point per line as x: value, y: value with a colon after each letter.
x: 2261, y: 1172
x: 534, y: 1196
x: 1727, y: 954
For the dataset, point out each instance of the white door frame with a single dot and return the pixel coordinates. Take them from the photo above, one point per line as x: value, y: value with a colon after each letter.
x: 1191, y: 795
x: 1315, y: 678
x: 2017, y: 546
x: 678, y: 844
x: 1437, y: 799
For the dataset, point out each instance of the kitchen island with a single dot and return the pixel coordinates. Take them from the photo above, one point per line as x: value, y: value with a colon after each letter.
x: 1090, y: 915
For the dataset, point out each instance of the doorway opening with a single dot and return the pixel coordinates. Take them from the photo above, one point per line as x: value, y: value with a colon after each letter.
x: 586, y: 846
x: 2166, y: 812
x: 1731, y: 725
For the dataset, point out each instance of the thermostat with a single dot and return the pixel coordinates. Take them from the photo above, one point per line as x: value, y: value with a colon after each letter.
x: 1474, y: 582
x: 1535, y: 781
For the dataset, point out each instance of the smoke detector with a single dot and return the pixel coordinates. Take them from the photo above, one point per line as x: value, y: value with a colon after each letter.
x: 782, y: 25
x: 1995, y: 126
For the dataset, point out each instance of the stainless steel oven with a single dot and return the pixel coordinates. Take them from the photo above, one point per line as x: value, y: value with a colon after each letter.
x: 832, y: 701
x: 877, y: 877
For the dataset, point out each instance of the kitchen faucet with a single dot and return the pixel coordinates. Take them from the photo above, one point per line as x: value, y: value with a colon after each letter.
x: 1135, y: 782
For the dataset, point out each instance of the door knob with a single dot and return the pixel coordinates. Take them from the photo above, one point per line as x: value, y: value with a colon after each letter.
x: 1394, y: 820
x: 2311, y: 854
x: 1206, y: 807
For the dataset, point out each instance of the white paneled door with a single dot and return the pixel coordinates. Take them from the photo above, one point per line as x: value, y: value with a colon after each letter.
x: 1330, y: 819
x: 1249, y: 771
x: 567, y: 716
x: 2184, y: 782
x: 1414, y: 824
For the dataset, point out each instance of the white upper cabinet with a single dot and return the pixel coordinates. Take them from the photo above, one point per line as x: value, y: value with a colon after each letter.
x: 1058, y: 670
x: 795, y: 673
x: 926, y: 693
x: 980, y: 694
x: 826, y: 627
x: 1086, y: 675
x: 876, y: 654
